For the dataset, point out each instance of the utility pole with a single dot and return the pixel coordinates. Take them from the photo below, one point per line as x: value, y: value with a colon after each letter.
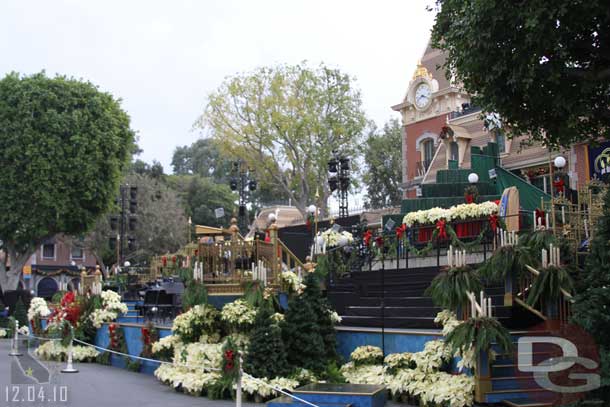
x: 242, y: 180
x: 124, y: 223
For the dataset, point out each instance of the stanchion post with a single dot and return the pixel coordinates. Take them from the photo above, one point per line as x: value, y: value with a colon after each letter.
x: 15, y: 348
x: 240, y: 372
x: 69, y: 367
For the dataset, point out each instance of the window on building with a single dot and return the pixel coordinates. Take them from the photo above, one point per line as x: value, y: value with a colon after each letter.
x: 501, y: 142
x: 428, y: 152
x: 48, y: 251
x: 454, y: 151
x: 77, y: 252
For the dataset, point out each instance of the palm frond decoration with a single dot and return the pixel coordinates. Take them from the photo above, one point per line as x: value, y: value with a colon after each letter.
x: 449, y: 289
x: 480, y: 333
x: 548, y: 284
x: 537, y: 240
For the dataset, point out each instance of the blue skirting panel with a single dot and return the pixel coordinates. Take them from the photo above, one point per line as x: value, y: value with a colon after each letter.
x: 394, y: 341
x: 133, y: 338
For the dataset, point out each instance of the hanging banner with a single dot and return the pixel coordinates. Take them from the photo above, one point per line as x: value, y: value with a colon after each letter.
x: 599, y: 161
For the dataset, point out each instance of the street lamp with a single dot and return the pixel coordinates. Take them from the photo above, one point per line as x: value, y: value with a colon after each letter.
x: 473, y: 178
x: 559, y: 162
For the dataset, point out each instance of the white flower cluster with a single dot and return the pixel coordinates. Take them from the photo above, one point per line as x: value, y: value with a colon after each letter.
x: 333, y: 239
x: 366, y: 355
x: 277, y: 317
x: 363, y: 374
x: 54, y: 350
x: 239, y: 313
x: 167, y: 342
x: 200, y: 316
x: 192, y: 381
x: 38, y: 309
x: 457, y: 212
x: 334, y: 317
x: 252, y: 386
x: 434, y: 388
x: 3, y: 333
x: 449, y: 322
x: 111, y: 308
x: 24, y: 330
x: 292, y: 281
x: 424, y: 381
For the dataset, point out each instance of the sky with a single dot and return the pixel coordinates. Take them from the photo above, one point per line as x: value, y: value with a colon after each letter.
x: 163, y: 58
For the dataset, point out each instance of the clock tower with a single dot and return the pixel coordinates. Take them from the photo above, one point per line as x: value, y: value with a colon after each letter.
x: 429, y: 100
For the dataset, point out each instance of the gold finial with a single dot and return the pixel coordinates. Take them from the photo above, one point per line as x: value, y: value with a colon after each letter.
x: 234, y: 228
x: 421, y: 71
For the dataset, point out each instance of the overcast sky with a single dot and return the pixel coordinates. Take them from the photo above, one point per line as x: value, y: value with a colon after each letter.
x: 163, y: 57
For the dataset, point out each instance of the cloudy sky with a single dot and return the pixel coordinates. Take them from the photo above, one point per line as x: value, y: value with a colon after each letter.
x: 163, y: 57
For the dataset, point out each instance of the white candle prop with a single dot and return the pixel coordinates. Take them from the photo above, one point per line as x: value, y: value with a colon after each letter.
x: 535, y: 220
x: 548, y: 224
x: 482, y: 294
x: 544, y: 258
x: 563, y: 215
x: 489, y: 307
x: 586, y: 229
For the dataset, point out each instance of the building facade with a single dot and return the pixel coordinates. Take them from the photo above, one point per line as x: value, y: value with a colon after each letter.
x: 433, y: 104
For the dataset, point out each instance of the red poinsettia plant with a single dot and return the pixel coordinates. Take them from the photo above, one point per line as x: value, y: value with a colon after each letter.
x: 68, y: 310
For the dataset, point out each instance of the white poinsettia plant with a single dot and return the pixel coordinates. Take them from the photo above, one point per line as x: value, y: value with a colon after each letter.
x: 333, y: 239
x: 54, y: 350
x: 112, y: 307
x: 38, y: 309
x: 3, y: 333
x: 417, y: 374
x: 292, y: 281
x: 238, y: 313
x: 366, y: 355
x: 457, y: 212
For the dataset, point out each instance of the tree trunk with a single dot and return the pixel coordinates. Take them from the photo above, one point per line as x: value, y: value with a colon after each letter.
x: 9, y: 279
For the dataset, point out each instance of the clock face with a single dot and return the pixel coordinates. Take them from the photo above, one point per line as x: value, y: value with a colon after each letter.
x: 422, y: 95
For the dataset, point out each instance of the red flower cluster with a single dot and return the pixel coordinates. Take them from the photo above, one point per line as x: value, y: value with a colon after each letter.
x: 114, y: 339
x: 145, y: 336
x: 400, y: 230
x: 230, y: 360
x: 164, y: 261
x: 67, y: 299
x: 366, y: 238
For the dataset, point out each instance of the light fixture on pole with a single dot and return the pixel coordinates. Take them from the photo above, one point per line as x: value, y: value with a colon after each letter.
x: 272, y: 218
x: 559, y: 162
x: 473, y: 178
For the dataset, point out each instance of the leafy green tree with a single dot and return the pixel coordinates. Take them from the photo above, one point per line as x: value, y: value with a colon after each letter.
x: 203, y: 158
x: 161, y: 226
x: 266, y: 355
x: 64, y: 144
x: 201, y: 196
x: 284, y: 122
x: 383, y: 174
x: 543, y: 66
x: 592, y: 299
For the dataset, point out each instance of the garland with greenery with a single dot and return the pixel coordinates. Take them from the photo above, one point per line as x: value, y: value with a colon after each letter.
x: 230, y: 366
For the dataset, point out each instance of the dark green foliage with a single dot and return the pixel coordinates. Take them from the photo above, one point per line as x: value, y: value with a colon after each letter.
x: 195, y: 293
x: 541, y: 65
x: 505, y: 261
x: 547, y: 286
x: 266, y: 354
x: 383, y: 166
x: 56, y: 298
x: 3, y: 320
x: 85, y: 331
x: 64, y: 145
x: 592, y: 299
x: 480, y: 333
x: 449, y: 289
x: 333, y: 374
x: 323, y: 310
x: 308, y: 331
x: 20, y: 313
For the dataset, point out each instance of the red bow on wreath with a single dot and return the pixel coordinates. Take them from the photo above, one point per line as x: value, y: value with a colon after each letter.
x: 469, y: 198
x: 440, y: 226
x: 493, y: 222
x: 540, y: 215
x: 366, y: 238
x: 164, y: 261
x: 310, y: 220
x: 400, y: 231
x: 559, y: 185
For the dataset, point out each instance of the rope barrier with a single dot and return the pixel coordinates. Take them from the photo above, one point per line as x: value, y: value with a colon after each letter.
x: 147, y: 359
x: 70, y: 369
